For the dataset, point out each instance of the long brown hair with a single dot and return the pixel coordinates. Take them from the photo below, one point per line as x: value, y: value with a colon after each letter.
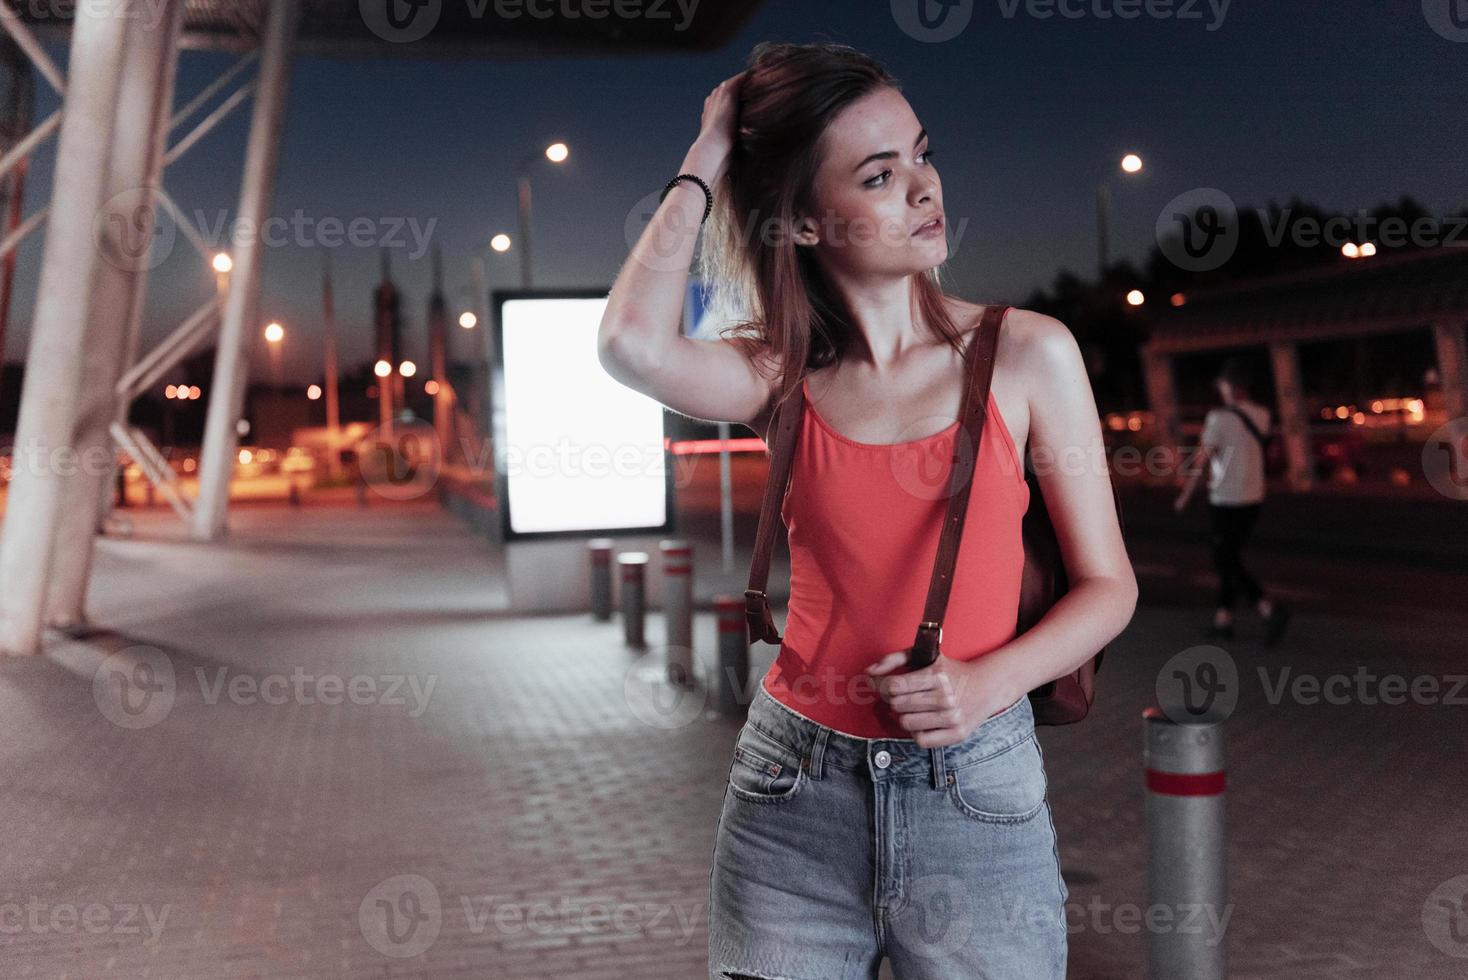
x: 794, y: 320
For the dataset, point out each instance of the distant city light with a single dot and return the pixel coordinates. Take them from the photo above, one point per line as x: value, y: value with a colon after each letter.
x: 431, y: 386
x: 1351, y: 250
x: 222, y: 262
x: 1368, y: 249
x: 194, y: 392
x: 407, y: 369
x: 313, y: 392
x: 171, y: 391
x: 500, y: 242
x: 1178, y: 299
x: 1131, y: 163
x: 467, y: 320
x: 382, y: 369
x: 557, y: 152
x: 274, y: 332
x: 1135, y: 298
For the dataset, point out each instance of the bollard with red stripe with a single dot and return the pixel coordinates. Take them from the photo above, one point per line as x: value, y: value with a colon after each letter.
x: 599, y: 551
x: 732, y: 667
x: 1187, y: 879
x: 678, y: 609
x: 634, y: 602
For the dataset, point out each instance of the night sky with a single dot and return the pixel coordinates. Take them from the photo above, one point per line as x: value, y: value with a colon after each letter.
x: 1345, y: 104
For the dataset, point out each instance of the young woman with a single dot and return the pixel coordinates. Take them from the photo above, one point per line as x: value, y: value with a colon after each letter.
x: 873, y: 810
x: 1233, y: 445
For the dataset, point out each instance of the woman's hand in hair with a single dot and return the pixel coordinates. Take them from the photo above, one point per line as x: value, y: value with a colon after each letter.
x: 718, y: 130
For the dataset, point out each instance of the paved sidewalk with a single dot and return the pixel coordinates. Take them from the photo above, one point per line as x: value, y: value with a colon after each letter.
x: 362, y: 767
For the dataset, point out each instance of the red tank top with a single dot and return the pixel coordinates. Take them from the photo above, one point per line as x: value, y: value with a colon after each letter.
x: 862, y: 522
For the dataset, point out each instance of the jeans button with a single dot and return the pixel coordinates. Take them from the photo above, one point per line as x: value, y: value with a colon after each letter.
x: 883, y: 759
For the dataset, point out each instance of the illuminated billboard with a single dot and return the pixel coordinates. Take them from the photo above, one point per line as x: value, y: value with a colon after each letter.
x: 577, y: 453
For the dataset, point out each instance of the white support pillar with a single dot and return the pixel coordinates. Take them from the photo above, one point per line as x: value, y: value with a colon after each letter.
x: 124, y: 238
x: 241, y: 306
x: 1294, y: 419
x: 1452, y: 365
x: 49, y: 395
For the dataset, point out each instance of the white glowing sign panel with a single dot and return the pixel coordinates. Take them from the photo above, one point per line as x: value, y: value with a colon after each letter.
x: 580, y: 452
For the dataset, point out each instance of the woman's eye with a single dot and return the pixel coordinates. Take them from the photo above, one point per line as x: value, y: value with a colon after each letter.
x: 871, y: 182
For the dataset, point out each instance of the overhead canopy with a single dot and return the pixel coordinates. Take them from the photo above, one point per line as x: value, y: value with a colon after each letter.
x: 453, y: 28
x: 1395, y: 291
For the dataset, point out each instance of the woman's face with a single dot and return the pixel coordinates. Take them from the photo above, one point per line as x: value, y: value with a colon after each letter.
x: 875, y: 187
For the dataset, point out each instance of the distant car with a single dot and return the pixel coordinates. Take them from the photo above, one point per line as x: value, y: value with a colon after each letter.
x: 1337, y: 443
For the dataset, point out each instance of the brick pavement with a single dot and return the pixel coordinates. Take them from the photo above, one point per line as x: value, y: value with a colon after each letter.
x: 496, y: 803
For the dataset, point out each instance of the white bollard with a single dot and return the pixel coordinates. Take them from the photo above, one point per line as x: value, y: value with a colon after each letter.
x: 599, y: 550
x: 1187, y: 881
x: 634, y: 603
x: 678, y: 610
x: 732, y: 662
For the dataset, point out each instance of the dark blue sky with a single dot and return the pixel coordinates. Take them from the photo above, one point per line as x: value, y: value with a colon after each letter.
x: 1346, y: 104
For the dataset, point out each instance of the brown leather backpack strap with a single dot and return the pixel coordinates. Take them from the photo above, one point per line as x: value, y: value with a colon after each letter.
x: 784, y: 432
x: 973, y: 411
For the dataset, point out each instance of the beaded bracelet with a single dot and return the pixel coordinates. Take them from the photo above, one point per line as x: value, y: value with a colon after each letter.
x: 708, y: 194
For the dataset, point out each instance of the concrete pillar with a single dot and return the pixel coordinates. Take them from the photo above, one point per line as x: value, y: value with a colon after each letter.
x: 241, y: 306
x: 124, y: 238
x: 1294, y: 417
x: 1452, y: 365
x: 1162, y: 396
x: 49, y: 395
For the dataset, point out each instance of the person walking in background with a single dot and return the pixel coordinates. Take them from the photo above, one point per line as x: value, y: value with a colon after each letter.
x: 1233, y: 445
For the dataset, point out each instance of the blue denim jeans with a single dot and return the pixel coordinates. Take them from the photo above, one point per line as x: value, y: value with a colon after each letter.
x: 833, y: 851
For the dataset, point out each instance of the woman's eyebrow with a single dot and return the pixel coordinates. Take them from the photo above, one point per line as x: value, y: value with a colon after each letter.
x: 889, y: 154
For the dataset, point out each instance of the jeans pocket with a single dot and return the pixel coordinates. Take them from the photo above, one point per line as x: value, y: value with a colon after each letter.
x: 1007, y: 787
x: 764, y: 771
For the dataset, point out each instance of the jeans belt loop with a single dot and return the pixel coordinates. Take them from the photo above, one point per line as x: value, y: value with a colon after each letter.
x: 815, y: 761
x: 939, y: 774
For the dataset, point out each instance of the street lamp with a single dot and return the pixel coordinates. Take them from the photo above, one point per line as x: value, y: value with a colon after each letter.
x: 274, y: 334
x: 1131, y: 163
x: 555, y: 153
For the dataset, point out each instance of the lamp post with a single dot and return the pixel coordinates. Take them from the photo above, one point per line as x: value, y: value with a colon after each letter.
x: 1130, y: 164
x: 555, y: 153
x: 274, y: 335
